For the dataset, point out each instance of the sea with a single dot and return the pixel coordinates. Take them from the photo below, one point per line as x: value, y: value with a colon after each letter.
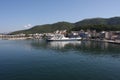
x: 69, y: 60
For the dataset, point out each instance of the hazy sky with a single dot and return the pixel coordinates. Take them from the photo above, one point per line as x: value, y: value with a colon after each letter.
x: 22, y: 14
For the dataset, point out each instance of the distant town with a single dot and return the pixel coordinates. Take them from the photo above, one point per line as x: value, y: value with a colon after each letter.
x: 107, y: 36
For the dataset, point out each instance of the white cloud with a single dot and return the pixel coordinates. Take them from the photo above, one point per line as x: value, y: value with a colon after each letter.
x: 25, y: 26
x: 28, y: 26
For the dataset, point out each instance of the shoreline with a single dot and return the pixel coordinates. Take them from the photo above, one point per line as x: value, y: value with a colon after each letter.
x: 109, y: 41
x: 25, y: 38
x: 19, y: 38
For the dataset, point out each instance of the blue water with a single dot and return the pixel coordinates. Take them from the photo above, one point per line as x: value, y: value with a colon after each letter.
x: 40, y: 60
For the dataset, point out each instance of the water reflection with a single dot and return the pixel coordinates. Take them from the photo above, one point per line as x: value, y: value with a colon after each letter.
x: 84, y: 47
x: 63, y: 44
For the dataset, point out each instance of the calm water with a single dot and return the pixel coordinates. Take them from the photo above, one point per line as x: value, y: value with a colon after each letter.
x: 39, y: 60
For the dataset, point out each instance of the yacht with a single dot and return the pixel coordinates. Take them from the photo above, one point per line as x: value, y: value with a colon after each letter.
x: 61, y: 37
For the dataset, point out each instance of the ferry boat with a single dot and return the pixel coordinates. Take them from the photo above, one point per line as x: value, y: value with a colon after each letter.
x: 61, y: 37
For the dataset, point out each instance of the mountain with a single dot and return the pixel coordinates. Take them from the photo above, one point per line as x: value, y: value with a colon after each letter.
x: 99, y: 21
x: 92, y: 21
x: 47, y: 28
x: 114, y: 21
x: 98, y: 24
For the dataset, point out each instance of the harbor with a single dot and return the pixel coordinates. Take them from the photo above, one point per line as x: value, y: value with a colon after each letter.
x: 60, y: 40
x: 62, y: 35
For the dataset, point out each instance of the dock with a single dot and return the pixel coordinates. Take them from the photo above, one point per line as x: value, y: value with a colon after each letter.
x: 113, y: 41
x: 14, y: 37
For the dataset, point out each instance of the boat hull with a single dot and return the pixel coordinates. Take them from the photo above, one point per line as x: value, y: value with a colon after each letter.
x: 63, y: 39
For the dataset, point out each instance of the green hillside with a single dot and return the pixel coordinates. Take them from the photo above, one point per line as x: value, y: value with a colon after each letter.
x: 47, y: 28
x: 98, y: 24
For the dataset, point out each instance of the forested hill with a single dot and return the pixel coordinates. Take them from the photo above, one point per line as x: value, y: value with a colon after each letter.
x: 98, y: 24
x: 47, y: 28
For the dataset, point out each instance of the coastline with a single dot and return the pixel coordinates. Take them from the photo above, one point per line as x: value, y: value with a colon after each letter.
x: 109, y: 41
x: 25, y: 38
x: 19, y: 38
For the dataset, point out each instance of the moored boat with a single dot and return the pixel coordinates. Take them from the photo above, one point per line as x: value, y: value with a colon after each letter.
x: 61, y: 37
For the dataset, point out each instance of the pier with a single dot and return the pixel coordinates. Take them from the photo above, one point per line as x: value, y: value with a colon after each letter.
x: 13, y: 37
x: 109, y: 41
x: 113, y: 41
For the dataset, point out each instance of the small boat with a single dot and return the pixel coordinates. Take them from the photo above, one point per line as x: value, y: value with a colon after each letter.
x: 61, y: 37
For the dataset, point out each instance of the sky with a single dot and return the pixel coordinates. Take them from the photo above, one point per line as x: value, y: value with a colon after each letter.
x: 24, y: 14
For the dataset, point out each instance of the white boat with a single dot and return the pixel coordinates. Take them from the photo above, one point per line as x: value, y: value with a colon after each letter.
x: 61, y: 37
